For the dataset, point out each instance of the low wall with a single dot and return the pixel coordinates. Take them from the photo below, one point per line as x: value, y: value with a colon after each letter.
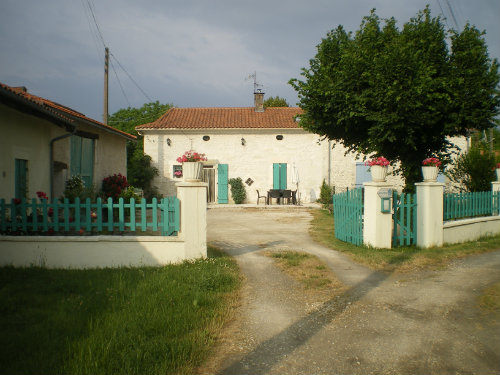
x: 117, y: 251
x: 91, y: 251
x: 470, y: 229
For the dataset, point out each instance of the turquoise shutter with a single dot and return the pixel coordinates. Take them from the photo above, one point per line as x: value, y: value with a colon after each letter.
x: 276, y: 176
x: 21, y: 180
x: 283, y: 176
x: 75, y: 156
x: 87, y: 161
x: 279, y: 176
x: 222, y: 184
x: 82, y: 159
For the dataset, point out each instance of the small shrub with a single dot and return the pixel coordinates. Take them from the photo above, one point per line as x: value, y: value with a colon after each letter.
x: 474, y: 170
x: 129, y: 193
x: 237, y: 190
x: 74, y: 188
x: 325, y: 194
x: 112, y: 186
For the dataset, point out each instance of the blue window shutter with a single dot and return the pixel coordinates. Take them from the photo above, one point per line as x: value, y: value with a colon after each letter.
x: 222, y: 183
x: 283, y: 176
x: 362, y: 174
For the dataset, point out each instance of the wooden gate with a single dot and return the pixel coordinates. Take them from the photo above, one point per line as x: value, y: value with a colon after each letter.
x: 404, y: 219
x: 348, y: 216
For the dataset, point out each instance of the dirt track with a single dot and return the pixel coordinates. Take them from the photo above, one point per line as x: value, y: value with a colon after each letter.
x: 419, y: 323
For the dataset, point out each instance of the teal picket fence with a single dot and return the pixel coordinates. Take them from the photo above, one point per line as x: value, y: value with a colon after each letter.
x: 469, y: 205
x: 348, y: 216
x: 101, y: 216
x: 404, y: 219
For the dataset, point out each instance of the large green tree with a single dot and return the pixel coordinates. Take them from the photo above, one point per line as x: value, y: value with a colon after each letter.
x: 399, y: 93
x: 140, y: 173
x: 275, y: 102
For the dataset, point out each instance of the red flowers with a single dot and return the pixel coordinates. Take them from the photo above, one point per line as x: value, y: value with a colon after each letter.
x: 191, y: 156
x: 42, y: 195
x: 17, y: 201
x: 378, y: 161
x: 431, y: 162
x: 112, y: 186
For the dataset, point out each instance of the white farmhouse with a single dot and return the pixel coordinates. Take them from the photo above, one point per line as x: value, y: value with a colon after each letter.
x: 265, y: 147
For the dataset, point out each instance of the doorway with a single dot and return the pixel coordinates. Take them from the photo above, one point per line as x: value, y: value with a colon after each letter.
x: 208, y: 176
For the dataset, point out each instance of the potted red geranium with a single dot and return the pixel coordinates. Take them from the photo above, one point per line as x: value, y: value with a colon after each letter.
x: 192, y: 165
x: 430, y: 169
x: 378, y: 168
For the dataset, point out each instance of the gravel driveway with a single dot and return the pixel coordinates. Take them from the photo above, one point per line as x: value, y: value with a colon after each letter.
x: 417, y: 323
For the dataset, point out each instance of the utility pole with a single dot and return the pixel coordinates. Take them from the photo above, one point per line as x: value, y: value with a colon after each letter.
x: 106, y: 69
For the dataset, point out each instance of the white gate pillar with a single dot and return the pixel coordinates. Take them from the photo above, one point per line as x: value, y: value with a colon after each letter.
x: 429, y: 214
x: 193, y: 217
x: 377, y: 227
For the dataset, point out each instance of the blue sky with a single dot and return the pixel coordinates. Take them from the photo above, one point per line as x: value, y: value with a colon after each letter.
x: 191, y: 53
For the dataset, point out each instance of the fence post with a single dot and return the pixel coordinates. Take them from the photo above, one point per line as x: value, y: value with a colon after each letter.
x: 377, y: 228
x: 495, y: 197
x: 429, y: 214
x: 193, y: 215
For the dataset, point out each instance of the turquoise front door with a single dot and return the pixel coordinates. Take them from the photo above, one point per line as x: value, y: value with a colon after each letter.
x: 222, y: 194
x: 279, y: 176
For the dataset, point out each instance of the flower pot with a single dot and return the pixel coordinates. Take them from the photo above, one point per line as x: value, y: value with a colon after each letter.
x: 498, y: 174
x: 430, y: 173
x: 192, y: 171
x: 378, y: 172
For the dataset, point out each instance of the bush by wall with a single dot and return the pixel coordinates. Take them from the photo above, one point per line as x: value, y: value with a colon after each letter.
x: 237, y: 190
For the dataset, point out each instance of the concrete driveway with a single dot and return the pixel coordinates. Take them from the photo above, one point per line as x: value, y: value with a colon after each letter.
x: 419, y: 323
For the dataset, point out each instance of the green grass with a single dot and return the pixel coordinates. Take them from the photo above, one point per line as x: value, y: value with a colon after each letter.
x: 291, y: 258
x: 114, y: 321
x: 405, y: 258
x: 490, y: 299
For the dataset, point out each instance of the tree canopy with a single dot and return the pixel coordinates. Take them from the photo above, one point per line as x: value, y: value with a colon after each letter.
x: 140, y: 173
x: 275, y: 102
x: 399, y: 93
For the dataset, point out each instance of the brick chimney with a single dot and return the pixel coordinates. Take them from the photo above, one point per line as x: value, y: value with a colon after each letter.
x: 258, y: 100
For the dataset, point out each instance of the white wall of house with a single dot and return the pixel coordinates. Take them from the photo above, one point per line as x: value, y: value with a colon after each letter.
x: 28, y: 137
x: 304, y: 157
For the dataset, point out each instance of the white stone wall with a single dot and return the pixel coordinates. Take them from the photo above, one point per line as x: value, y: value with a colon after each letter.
x: 299, y: 150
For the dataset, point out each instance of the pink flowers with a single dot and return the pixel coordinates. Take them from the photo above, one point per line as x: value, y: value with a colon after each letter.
x: 431, y: 162
x: 191, y: 156
x: 498, y: 166
x: 383, y: 162
x: 178, y: 173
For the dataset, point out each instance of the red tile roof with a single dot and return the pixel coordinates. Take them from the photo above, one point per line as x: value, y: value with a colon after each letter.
x: 226, y: 118
x: 61, y: 112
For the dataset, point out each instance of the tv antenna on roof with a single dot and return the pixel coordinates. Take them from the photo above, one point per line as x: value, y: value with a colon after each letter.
x: 255, y: 84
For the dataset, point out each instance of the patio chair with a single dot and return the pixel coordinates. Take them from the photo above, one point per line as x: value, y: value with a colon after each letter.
x: 287, y: 194
x: 261, y: 196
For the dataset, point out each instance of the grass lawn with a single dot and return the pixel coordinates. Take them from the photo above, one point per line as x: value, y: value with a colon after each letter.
x: 406, y: 258
x: 114, y: 321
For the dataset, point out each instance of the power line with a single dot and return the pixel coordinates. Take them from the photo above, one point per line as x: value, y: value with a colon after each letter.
x: 120, y: 83
x: 129, y: 76
x: 452, y: 14
x: 96, y: 23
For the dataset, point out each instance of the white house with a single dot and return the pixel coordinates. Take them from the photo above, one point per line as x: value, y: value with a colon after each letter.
x: 265, y: 147
x: 44, y: 143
